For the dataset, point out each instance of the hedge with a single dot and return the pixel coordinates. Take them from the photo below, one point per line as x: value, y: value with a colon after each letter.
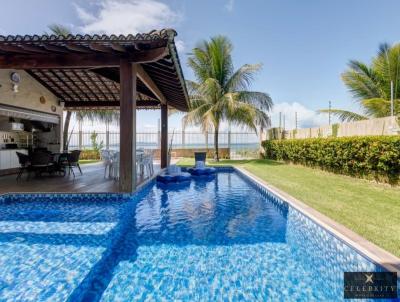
x: 372, y: 157
x: 90, y: 154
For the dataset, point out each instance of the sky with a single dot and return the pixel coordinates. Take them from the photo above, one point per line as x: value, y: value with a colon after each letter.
x: 304, y: 46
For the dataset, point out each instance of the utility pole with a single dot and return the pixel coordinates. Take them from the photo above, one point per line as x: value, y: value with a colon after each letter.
x: 295, y: 119
x: 329, y: 112
x: 283, y: 122
x: 280, y: 119
x: 391, y: 99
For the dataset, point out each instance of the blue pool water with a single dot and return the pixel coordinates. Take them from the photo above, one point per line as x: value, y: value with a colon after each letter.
x: 210, y: 239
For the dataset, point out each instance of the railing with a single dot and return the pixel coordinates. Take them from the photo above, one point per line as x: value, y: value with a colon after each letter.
x: 241, y: 144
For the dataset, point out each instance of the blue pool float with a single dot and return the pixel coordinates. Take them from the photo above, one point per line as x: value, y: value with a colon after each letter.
x: 173, y: 174
x: 201, y: 169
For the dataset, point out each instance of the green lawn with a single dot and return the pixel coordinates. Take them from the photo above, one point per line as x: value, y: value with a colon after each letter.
x: 371, y: 210
x: 88, y: 161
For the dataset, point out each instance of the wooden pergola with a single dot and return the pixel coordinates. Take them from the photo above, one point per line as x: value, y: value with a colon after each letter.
x: 106, y: 72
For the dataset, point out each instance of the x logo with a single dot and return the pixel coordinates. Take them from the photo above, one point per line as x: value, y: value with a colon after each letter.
x: 369, y: 278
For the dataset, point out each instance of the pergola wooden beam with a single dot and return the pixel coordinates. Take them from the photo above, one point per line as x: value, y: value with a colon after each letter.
x: 81, y: 60
x: 108, y: 88
x: 61, y: 88
x: 92, y: 93
x: 145, y: 78
x: 116, y: 104
x: 71, y: 83
x: 94, y: 83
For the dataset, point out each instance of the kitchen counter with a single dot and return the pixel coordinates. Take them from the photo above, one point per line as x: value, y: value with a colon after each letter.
x: 9, y: 158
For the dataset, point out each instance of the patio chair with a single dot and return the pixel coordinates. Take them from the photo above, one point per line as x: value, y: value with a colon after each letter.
x: 24, y: 163
x: 73, y: 161
x: 61, y: 162
x: 115, y: 166
x: 106, y: 157
x: 41, y: 162
x: 145, y: 163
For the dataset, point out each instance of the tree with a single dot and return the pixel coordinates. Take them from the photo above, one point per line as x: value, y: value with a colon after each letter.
x: 91, y: 115
x: 221, y: 93
x: 370, y: 85
x: 61, y: 30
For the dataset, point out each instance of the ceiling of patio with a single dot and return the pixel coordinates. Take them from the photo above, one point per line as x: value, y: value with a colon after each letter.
x: 95, y: 84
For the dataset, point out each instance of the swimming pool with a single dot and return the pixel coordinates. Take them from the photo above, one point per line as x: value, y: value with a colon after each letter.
x: 220, y: 238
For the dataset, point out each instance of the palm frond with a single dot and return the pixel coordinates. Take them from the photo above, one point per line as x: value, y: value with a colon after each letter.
x: 376, y: 107
x: 371, y: 84
x: 344, y: 115
x: 260, y: 100
x: 60, y: 30
x: 242, y: 78
x: 102, y: 116
x: 362, y: 81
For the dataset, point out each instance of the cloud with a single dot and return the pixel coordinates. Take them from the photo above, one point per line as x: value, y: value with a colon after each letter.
x: 306, y: 118
x: 229, y: 5
x: 180, y: 45
x: 126, y: 16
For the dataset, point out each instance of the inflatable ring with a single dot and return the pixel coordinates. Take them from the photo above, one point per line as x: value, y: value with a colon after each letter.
x: 169, y: 178
x: 202, y: 171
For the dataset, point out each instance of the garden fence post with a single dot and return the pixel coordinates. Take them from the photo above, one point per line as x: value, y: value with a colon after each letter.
x: 159, y: 134
x: 229, y: 138
x: 183, y: 136
x: 80, y: 135
x: 107, y: 136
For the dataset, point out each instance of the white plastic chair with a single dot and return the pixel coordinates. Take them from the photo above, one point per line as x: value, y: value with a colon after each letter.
x: 148, y: 163
x: 144, y: 163
x: 115, y: 166
x: 106, y: 157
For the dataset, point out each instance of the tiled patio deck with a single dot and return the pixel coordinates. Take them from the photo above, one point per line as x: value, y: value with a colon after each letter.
x: 92, y: 180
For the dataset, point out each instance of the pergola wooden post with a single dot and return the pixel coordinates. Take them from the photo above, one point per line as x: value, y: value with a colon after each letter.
x: 127, y: 141
x: 164, y: 135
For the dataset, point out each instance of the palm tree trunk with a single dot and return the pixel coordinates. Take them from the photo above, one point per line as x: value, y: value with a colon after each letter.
x: 66, y: 128
x: 216, y: 132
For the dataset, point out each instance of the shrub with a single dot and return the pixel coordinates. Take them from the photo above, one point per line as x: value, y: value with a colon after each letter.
x: 90, y: 154
x: 95, y: 145
x: 372, y: 157
x: 275, y: 133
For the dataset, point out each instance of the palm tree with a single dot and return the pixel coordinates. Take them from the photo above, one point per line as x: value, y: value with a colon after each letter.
x: 104, y: 116
x: 370, y: 85
x: 222, y: 93
x: 61, y: 30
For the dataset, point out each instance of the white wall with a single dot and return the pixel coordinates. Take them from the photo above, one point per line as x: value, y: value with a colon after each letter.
x: 29, y: 93
x: 28, y: 96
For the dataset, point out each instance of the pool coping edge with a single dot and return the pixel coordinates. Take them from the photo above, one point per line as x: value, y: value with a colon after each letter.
x: 369, y: 249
